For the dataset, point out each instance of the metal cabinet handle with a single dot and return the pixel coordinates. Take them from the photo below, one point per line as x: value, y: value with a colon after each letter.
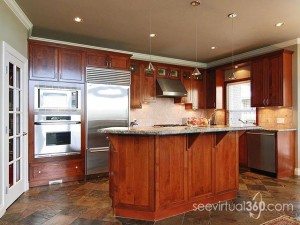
x: 267, y: 101
x: 24, y: 133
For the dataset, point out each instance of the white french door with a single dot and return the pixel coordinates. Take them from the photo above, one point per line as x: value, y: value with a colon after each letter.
x: 15, y: 119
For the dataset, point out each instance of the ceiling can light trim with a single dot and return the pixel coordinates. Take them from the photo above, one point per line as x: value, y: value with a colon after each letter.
x: 195, y: 3
x: 280, y: 24
x: 78, y: 19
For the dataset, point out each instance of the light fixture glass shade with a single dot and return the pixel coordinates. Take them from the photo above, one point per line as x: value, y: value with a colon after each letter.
x: 232, y: 75
x: 196, y: 72
x: 150, y: 67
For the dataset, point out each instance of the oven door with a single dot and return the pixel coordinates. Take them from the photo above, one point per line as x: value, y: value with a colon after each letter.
x: 57, y: 138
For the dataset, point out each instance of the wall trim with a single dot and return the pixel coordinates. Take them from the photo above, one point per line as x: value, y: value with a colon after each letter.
x: 255, y: 52
x: 20, y: 14
x: 297, y: 171
x: 135, y: 55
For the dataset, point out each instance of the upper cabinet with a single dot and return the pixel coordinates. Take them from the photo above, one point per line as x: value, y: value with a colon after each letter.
x: 107, y: 60
x: 71, y: 65
x: 209, y: 93
x: 53, y: 63
x: 135, y: 87
x: 43, y: 62
x: 271, y: 80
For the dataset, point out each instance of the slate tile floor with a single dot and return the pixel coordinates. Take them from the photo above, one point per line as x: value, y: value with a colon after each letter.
x: 88, y: 203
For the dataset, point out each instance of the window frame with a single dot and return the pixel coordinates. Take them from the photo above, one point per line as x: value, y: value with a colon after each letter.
x: 244, y: 80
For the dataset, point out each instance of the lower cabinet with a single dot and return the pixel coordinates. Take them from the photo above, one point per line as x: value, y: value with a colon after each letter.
x: 42, y: 173
x: 153, y: 177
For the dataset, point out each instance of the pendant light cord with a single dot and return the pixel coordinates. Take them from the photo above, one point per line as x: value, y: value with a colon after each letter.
x: 232, y: 53
x: 196, y: 35
x: 150, y: 31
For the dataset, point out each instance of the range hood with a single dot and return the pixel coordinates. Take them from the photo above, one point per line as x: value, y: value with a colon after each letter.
x: 170, y: 88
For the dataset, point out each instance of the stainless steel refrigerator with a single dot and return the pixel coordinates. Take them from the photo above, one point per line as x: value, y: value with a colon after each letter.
x: 107, y: 105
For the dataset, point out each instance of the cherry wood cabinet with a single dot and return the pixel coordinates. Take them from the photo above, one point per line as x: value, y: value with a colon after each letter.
x: 51, y: 62
x: 68, y: 170
x: 197, y: 92
x: 210, y: 89
x: 148, y: 84
x: 110, y: 60
x: 135, y: 87
x: 200, y: 166
x: 43, y: 63
x: 71, y: 65
x: 226, y: 162
x: 154, y: 177
x: 271, y: 80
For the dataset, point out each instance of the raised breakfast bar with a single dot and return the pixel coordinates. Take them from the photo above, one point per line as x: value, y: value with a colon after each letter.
x: 160, y: 172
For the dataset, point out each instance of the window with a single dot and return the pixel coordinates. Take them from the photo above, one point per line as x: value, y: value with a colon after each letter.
x: 239, y: 110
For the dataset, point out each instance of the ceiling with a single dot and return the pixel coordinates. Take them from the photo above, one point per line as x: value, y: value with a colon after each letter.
x: 124, y: 24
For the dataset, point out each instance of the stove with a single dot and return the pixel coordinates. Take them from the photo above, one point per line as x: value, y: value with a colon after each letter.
x: 169, y: 125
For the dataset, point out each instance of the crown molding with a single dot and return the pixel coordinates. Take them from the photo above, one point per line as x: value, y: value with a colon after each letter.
x: 20, y: 14
x: 255, y: 52
x: 135, y: 55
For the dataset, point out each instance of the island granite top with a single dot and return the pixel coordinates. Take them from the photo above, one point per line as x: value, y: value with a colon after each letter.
x: 175, y: 130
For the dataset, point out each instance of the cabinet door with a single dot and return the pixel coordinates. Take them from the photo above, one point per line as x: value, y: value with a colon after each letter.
x: 200, y: 170
x: 197, y: 93
x: 148, y: 85
x: 275, y: 81
x: 187, y: 83
x: 210, y: 90
x: 119, y: 62
x: 43, y: 62
x: 257, y: 84
x: 135, y: 87
x: 96, y: 59
x: 133, y: 172
x: 226, y: 162
x: 71, y: 65
x: 170, y: 176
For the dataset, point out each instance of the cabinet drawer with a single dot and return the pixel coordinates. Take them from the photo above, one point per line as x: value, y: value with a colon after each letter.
x: 56, y: 170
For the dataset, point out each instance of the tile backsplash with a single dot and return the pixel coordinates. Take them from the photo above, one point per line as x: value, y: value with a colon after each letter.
x: 267, y: 117
x: 163, y: 111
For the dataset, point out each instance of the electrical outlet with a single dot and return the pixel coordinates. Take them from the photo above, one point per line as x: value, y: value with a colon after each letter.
x: 280, y: 120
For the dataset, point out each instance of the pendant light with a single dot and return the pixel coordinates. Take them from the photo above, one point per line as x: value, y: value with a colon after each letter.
x: 196, y: 71
x: 232, y: 75
x: 150, y: 68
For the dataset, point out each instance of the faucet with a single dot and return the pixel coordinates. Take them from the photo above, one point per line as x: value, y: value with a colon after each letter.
x: 133, y: 123
x: 212, y: 118
x: 243, y: 122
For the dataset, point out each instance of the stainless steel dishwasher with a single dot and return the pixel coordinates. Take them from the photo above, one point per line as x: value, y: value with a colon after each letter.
x: 261, y: 146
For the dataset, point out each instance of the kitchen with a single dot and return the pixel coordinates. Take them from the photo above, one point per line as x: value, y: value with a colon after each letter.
x: 100, y: 133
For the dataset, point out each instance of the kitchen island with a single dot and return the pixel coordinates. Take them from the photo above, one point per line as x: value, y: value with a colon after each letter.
x: 161, y: 172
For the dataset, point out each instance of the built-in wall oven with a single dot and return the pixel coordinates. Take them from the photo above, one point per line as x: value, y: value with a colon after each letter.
x: 57, y: 135
x: 48, y: 98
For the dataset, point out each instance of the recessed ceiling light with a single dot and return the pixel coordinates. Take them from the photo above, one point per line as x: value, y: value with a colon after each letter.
x: 153, y: 35
x: 213, y: 47
x: 279, y: 24
x: 195, y: 3
x: 236, y: 67
x: 232, y: 15
x: 77, y: 19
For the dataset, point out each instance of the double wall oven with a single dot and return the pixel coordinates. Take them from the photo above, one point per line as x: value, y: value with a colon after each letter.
x: 57, y: 121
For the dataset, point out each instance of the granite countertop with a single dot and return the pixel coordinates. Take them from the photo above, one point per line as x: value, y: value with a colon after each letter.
x: 278, y: 128
x: 174, y: 130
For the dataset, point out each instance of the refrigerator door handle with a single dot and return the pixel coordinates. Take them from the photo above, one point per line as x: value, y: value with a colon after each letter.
x: 101, y: 149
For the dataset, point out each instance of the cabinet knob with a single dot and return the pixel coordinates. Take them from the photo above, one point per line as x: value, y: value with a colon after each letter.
x: 76, y: 167
x: 40, y: 172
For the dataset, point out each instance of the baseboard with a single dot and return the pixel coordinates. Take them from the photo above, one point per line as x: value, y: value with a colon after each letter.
x: 297, y: 171
x: 2, y: 210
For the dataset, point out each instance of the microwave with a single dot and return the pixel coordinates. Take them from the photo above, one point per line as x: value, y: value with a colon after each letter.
x: 57, y: 98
